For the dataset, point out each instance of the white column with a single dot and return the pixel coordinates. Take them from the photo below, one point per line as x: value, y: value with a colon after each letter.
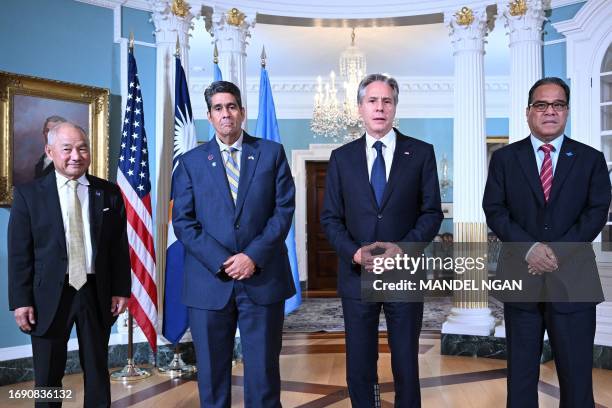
x: 524, y: 29
x: 467, y: 30
x: 231, y: 30
x: 603, y: 334
x: 168, y: 26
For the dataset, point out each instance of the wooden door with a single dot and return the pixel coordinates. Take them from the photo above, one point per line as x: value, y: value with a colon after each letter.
x: 322, y: 260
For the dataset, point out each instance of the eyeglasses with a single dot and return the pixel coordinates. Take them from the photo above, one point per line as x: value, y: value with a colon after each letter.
x: 543, y: 106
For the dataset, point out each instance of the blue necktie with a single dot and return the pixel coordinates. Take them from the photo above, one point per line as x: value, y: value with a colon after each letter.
x: 378, y: 178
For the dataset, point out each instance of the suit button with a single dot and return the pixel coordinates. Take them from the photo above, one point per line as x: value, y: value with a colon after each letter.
x: 379, y: 216
x: 236, y: 226
x: 546, y: 226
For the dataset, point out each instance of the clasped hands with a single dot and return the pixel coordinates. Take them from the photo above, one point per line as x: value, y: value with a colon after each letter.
x: 364, y: 255
x: 541, y: 258
x: 239, y: 266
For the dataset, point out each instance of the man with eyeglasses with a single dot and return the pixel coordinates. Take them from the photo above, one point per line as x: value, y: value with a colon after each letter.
x: 542, y: 193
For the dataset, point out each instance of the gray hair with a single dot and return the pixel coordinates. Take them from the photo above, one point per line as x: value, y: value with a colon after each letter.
x: 368, y: 79
x: 53, y: 119
x: 53, y: 132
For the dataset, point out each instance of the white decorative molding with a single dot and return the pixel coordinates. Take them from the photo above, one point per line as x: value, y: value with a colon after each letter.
x: 168, y: 27
x: 603, y: 334
x: 467, y: 37
x: 324, y: 8
x: 232, y: 41
x: 315, y: 152
x: 420, y: 97
x: 557, y: 41
x: 474, y: 322
x: 524, y: 33
x: 469, y: 126
x: 588, y: 36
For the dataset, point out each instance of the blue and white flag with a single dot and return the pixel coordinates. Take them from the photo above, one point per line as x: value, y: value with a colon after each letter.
x: 267, y: 128
x: 175, y: 312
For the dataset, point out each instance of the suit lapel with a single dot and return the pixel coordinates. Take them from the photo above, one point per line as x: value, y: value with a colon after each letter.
x: 248, y: 163
x: 361, y: 166
x: 53, y: 208
x: 529, y: 166
x: 96, y: 208
x: 216, y: 166
x: 565, y: 161
x: 400, y: 159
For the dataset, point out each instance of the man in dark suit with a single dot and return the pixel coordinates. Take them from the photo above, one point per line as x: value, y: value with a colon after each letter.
x: 233, y: 205
x: 546, y: 194
x: 380, y: 187
x: 44, y: 165
x: 68, y: 263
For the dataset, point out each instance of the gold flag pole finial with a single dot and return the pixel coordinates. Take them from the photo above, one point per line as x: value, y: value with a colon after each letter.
x: 263, y: 56
x: 131, y: 42
x: 177, y: 52
x: 216, y: 54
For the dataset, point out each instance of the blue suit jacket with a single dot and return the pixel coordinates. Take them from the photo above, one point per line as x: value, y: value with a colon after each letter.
x: 410, y: 209
x: 212, y: 228
x: 576, y: 212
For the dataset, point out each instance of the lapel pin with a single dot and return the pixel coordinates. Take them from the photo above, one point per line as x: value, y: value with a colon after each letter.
x: 251, y: 158
x: 210, y: 157
x: 214, y: 164
x: 569, y: 154
x: 98, y: 193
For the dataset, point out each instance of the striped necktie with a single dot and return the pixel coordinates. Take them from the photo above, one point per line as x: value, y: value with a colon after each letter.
x: 232, y: 171
x: 77, y: 275
x: 546, y: 172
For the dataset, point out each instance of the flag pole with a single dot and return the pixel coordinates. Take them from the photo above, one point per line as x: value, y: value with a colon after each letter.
x: 130, y: 372
x: 177, y: 367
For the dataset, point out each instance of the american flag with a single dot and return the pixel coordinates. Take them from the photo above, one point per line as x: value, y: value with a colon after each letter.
x: 133, y: 179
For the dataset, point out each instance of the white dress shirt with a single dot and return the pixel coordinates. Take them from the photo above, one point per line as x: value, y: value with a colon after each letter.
x: 63, y: 190
x: 225, y: 148
x: 388, y: 149
x: 554, y: 155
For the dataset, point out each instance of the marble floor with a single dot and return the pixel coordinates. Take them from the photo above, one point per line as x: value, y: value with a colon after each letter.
x: 313, y: 375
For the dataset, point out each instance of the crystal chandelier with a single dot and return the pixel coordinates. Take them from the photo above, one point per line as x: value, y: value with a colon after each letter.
x: 330, y: 118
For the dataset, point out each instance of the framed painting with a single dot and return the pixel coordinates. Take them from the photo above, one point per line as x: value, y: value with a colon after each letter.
x: 494, y: 143
x: 27, y: 106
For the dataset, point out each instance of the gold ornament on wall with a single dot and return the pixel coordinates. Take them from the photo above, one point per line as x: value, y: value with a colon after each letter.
x: 465, y: 16
x: 235, y: 17
x: 180, y: 8
x: 518, y: 8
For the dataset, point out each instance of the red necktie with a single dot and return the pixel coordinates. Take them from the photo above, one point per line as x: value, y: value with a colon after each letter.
x: 546, y: 172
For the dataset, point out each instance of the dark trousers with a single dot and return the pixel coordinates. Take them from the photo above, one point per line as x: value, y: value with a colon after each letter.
x: 404, y: 321
x: 571, y: 337
x: 50, y: 350
x: 213, y: 334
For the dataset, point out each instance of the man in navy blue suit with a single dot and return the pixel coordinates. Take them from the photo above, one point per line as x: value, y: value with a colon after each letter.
x: 233, y: 205
x: 546, y: 194
x: 382, y: 187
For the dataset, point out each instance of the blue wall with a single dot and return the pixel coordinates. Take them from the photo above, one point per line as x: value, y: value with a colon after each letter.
x: 73, y: 42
